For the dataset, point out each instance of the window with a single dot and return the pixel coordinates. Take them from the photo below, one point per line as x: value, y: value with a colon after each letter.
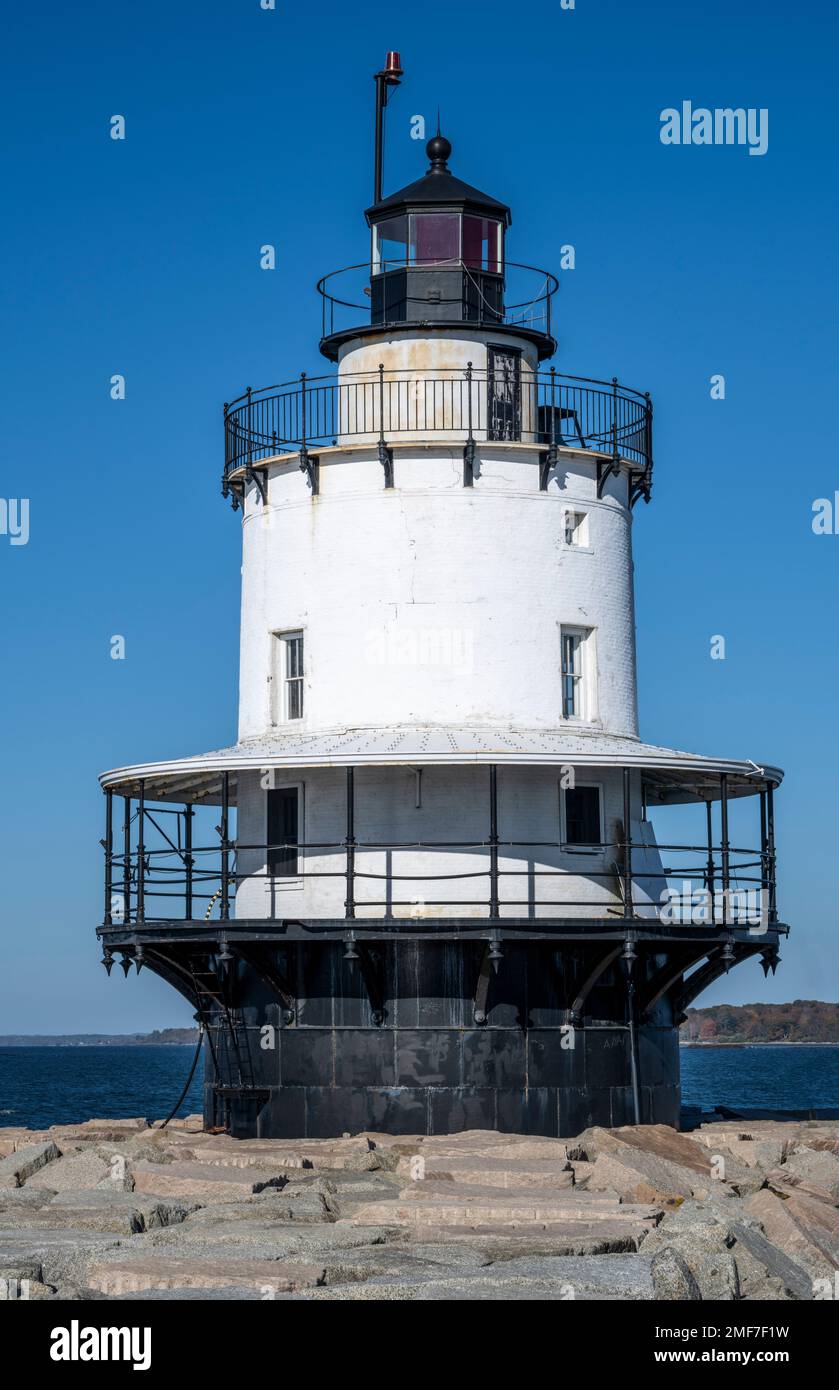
x: 437, y: 237
x: 482, y: 244
x: 577, y: 673
x: 288, y: 676
x: 582, y: 816
x: 572, y: 675
x: 283, y: 831
x: 390, y: 244
x: 576, y: 528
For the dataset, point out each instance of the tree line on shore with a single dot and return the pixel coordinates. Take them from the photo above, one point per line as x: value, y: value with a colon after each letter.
x: 804, y: 1020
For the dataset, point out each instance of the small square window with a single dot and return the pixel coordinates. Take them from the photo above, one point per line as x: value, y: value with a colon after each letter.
x: 576, y: 528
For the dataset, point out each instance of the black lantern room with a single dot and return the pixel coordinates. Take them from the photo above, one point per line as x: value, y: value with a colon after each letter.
x: 437, y: 250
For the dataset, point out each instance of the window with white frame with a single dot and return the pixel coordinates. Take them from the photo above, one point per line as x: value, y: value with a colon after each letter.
x: 576, y: 673
x: 288, y: 676
x: 576, y: 528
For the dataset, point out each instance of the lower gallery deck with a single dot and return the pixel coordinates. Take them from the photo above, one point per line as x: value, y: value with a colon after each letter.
x: 428, y: 949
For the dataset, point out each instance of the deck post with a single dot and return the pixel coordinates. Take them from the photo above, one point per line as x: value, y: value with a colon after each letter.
x: 126, y: 859
x: 709, y: 869
x: 349, y: 843
x: 628, y: 910
x: 726, y: 876
x: 494, y: 905
x: 770, y: 846
x: 109, y: 854
x: 225, y: 851
x: 188, y: 860
x: 141, y: 852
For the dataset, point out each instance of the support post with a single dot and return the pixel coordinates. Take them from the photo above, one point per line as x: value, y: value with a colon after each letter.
x: 349, y: 842
x: 764, y: 857
x: 628, y: 910
x: 616, y: 458
x: 308, y: 465
x: 709, y: 869
x: 726, y: 876
x: 469, y: 450
x: 126, y: 859
x: 770, y: 846
x: 109, y: 854
x: 385, y: 454
x: 630, y: 960
x: 188, y: 860
x: 225, y: 860
x: 141, y: 852
x: 494, y: 905
x: 388, y: 77
x: 547, y: 461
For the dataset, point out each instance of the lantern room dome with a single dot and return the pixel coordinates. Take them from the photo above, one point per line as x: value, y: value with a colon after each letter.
x: 439, y: 186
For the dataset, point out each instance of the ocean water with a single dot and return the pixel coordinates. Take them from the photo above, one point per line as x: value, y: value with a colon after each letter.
x: 41, y: 1086
x: 770, y: 1077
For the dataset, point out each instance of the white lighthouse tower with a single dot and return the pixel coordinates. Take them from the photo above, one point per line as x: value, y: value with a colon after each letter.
x: 442, y: 902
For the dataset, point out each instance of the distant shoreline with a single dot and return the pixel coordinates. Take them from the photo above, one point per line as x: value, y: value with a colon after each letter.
x: 762, y: 1042
x: 12, y: 1043
x: 164, y: 1037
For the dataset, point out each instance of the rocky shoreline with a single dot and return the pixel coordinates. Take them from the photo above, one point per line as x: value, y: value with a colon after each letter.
x: 119, y: 1209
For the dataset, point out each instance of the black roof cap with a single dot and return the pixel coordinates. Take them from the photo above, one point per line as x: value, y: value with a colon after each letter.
x: 439, y: 186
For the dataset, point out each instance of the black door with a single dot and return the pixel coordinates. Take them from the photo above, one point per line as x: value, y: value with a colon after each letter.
x: 503, y: 393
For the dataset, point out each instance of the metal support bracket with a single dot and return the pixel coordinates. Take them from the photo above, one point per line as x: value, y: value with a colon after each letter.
x: 372, y: 973
x: 260, y: 477
x: 310, y: 465
x: 547, y: 461
x: 639, y: 486
x: 469, y: 464
x: 479, y: 1003
x: 386, y: 460
x: 605, y: 470
x: 598, y: 968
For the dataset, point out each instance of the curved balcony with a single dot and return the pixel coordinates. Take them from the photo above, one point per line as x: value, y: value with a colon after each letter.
x: 184, y: 876
x: 448, y: 406
x: 434, y: 294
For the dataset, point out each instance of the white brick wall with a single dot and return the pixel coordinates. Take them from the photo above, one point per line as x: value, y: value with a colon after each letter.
x: 455, y: 807
x: 432, y: 603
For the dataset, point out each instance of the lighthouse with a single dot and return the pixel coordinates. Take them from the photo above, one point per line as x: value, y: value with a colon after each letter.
x: 422, y: 891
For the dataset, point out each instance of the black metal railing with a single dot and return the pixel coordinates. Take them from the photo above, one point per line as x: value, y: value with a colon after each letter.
x: 458, y: 404
x: 524, y: 297
x: 157, y: 874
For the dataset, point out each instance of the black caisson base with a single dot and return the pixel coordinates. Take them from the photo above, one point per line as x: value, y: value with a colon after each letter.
x: 427, y: 1037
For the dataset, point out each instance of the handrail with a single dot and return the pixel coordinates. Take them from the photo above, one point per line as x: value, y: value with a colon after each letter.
x: 551, y: 283
x: 745, y: 871
x: 454, y: 404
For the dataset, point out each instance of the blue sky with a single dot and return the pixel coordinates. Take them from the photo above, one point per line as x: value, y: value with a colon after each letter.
x: 141, y: 257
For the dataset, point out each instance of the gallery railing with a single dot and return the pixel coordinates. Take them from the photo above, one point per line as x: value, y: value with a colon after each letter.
x: 516, y: 296
x: 719, y: 883
x: 457, y: 404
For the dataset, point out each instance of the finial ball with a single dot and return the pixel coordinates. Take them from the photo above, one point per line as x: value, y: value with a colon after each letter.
x: 438, y: 149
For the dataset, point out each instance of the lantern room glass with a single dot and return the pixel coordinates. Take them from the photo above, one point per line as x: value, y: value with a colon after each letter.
x: 482, y: 244
x: 437, y: 239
